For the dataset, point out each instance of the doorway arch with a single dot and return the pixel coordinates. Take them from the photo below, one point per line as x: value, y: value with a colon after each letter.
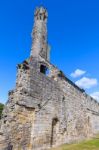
x: 54, y: 131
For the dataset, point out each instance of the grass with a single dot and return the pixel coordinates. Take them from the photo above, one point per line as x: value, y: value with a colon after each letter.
x: 85, y: 145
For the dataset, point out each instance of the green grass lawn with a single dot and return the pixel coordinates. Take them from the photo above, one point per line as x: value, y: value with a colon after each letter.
x: 86, y: 145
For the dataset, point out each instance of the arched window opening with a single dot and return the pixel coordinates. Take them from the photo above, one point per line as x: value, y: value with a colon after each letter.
x: 43, y: 69
x: 40, y: 16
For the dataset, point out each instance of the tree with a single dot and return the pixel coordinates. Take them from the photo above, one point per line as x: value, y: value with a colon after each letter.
x: 1, y: 109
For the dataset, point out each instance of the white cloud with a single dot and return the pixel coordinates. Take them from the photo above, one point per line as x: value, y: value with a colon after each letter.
x: 86, y: 83
x: 95, y: 95
x: 77, y: 73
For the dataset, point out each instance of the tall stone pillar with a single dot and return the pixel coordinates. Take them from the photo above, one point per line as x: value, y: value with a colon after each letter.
x: 39, y: 35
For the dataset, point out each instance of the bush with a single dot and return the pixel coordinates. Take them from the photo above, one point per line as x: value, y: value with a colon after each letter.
x: 1, y: 109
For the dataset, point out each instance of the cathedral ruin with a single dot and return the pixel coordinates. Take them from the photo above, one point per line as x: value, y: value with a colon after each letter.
x: 45, y: 109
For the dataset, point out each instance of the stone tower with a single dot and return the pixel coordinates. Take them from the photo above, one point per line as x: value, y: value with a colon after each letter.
x: 40, y: 46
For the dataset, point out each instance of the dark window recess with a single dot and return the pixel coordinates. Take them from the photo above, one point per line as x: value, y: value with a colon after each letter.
x: 39, y: 106
x: 40, y: 16
x: 54, y: 121
x: 43, y: 69
x: 5, y: 121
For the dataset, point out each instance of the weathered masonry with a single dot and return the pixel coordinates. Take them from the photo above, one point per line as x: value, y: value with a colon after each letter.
x: 45, y: 109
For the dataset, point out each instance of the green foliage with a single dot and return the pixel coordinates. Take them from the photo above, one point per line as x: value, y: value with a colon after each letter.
x: 1, y: 109
x: 86, y: 145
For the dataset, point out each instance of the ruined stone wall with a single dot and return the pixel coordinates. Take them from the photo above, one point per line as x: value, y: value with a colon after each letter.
x: 83, y: 111
x: 46, y: 111
x: 69, y: 105
x: 15, y: 126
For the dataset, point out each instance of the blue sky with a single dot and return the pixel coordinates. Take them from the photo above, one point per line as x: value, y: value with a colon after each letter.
x: 73, y: 33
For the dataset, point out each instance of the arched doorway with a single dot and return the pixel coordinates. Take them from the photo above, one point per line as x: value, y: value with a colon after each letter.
x: 54, y: 131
